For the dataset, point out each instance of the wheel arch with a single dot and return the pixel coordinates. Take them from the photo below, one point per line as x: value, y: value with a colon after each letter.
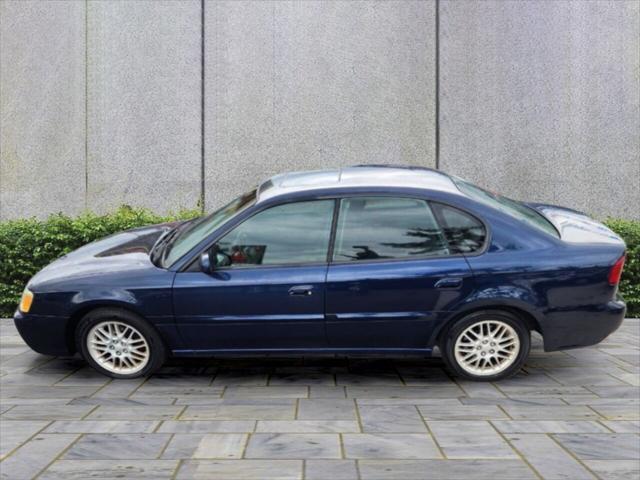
x: 530, y: 318
x: 82, y: 310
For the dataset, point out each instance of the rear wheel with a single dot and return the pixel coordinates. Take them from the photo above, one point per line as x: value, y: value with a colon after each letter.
x: 119, y: 344
x: 487, y: 346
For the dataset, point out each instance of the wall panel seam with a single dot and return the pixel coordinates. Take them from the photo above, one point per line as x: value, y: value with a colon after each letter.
x: 202, y: 107
x: 86, y: 104
x: 437, y: 84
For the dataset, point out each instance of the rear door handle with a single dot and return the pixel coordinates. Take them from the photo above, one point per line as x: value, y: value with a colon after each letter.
x: 301, y: 290
x: 449, y: 282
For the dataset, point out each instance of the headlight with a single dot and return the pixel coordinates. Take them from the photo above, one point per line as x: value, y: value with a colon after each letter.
x: 26, y: 301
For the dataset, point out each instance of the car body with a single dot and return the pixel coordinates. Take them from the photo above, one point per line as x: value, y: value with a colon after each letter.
x: 553, y: 269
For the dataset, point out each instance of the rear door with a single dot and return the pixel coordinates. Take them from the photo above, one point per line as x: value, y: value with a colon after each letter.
x: 272, y: 295
x: 395, y: 270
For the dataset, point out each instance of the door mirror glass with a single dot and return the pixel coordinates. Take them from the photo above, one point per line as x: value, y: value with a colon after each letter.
x: 205, y: 262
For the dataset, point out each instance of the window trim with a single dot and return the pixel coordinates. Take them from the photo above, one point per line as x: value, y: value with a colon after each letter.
x: 337, y: 199
x: 429, y: 202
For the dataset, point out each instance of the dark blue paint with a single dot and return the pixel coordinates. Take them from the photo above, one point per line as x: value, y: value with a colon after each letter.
x: 370, y: 306
x: 392, y: 304
x: 251, y: 308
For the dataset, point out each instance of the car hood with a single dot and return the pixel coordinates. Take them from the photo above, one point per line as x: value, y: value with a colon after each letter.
x: 576, y: 227
x: 121, y: 252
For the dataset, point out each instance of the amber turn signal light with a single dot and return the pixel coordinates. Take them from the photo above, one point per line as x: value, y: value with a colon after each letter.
x: 26, y: 301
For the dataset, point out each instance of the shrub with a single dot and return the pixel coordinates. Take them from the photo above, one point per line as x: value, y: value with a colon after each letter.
x: 28, y: 245
x: 629, y: 230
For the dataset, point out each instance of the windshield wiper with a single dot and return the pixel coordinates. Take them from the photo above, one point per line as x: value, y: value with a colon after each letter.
x: 170, y: 236
x: 163, y: 241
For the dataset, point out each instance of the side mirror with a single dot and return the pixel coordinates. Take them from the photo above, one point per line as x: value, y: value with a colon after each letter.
x: 213, y: 258
x: 205, y: 262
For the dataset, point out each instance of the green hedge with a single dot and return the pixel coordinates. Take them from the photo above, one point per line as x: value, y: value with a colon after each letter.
x: 28, y: 245
x: 629, y: 230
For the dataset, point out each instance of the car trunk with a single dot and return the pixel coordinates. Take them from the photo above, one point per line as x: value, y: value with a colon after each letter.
x: 576, y: 227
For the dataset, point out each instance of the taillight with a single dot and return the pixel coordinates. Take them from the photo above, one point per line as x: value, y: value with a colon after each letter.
x: 616, y: 271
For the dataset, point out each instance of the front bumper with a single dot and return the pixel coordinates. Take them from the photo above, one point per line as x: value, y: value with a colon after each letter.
x: 562, y: 330
x: 45, y: 334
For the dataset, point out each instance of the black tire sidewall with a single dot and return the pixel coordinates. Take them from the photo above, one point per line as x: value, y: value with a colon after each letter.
x: 158, y: 351
x: 456, y: 329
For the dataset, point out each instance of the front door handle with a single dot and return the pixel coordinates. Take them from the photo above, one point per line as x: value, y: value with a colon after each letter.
x: 301, y: 290
x: 449, y: 282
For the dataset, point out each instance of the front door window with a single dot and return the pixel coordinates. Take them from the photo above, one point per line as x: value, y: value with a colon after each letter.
x: 288, y: 234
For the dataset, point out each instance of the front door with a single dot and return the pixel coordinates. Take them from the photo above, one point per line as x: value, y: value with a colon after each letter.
x: 394, y: 272
x: 271, y: 292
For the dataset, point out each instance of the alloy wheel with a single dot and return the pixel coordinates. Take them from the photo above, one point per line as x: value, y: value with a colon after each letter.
x: 487, y: 347
x: 118, y: 347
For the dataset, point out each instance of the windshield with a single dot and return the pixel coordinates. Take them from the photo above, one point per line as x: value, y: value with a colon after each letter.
x: 510, y: 207
x: 202, y: 228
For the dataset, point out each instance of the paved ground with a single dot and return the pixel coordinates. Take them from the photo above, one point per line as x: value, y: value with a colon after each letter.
x: 569, y: 415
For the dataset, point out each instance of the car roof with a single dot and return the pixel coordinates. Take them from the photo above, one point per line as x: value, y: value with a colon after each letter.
x: 357, y: 176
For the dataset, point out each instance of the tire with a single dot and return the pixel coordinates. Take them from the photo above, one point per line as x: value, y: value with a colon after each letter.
x: 486, y: 346
x: 119, y: 343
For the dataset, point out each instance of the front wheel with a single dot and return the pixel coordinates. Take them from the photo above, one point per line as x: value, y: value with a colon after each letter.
x: 119, y: 344
x: 487, y: 346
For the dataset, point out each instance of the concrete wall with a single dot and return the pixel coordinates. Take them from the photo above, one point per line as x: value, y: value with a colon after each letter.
x: 42, y: 108
x: 540, y: 100
x: 101, y: 101
x: 143, y: 104
x: 315, y: 84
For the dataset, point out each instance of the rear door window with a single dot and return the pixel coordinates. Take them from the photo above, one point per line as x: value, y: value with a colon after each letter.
x: 371, y: 228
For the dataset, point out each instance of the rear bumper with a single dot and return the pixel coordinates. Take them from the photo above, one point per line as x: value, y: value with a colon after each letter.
x: 43, y: 333
x: 581, y: 327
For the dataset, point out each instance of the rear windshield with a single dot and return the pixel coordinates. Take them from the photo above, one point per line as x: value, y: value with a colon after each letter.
x: 510, y: 207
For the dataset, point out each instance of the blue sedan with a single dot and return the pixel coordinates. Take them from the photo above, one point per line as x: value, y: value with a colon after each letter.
x: 365, y: 259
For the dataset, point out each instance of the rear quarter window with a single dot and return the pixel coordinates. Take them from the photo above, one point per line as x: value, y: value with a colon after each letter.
x: 464, y: 232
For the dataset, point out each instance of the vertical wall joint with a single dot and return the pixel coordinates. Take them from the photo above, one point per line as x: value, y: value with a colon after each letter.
x: 437, y: 84
x: 202, y: 112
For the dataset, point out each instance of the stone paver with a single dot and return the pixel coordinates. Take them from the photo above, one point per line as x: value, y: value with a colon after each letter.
x: 83, y: 469
x: 477, y: 439
x: 391, y: 418
x: 131, y: 446
x: 568, y: 415
x: 326, y: 409
x: 14, y: 433
x: 614, y: 446
x: 206, y: 446
x: 34, y: 456
x: 241, y: 469
x: 459, y: 469
x: 615, y: 469
x: 390, y: 445
x: 293, y: 445
x: 331, y: 469
x: 548, y: 458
